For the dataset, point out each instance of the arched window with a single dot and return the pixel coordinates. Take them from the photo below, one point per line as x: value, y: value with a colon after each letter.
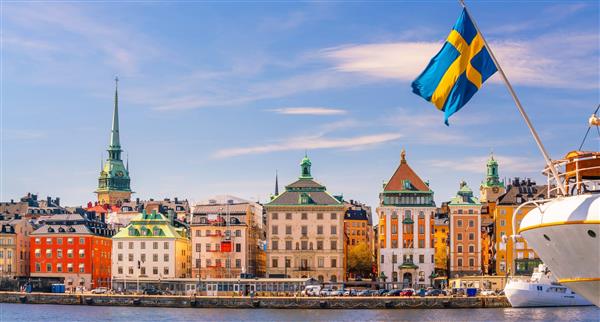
x: 321, y: 278
x: 333, y: 279
x: 394, y: 276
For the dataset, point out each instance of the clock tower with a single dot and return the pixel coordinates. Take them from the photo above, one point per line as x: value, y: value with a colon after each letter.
x: 491, y: 188
x: 113, y: 183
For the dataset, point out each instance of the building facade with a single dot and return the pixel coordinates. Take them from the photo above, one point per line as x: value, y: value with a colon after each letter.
x: 515, y: 256
x: 465, y: 233
x: 151, y: 247
x: 18, y: 258
x: 491, y: 188
x: 74, y: 249
x: 114, y: 182
x: 358, y: 230
x: 305, y: 231
x: 406, y: 216
x: 8, y: 251
x: 227, y: 234
x: 441, y: 244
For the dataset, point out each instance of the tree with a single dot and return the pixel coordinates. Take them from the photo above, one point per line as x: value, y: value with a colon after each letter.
x: 360, y: 259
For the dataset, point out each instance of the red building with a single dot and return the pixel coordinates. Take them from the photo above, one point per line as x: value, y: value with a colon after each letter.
x: 74, y: 249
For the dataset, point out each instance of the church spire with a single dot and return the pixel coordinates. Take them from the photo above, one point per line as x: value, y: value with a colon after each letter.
x: 276, y: 184
x: 114, y: 149
x: 305, y: 167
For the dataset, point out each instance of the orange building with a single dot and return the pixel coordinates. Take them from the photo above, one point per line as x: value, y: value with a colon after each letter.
x: 358, y: 229
x: 74, y: 249
x: 465, y: 233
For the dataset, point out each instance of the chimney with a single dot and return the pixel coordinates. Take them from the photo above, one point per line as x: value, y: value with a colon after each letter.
x: 171, y: 216
x: 175, y: 199
x: 48, y: 201
x: 57, y: 201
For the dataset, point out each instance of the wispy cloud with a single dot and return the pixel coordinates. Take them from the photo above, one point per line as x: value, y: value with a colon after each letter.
x: 537, y: 62
x: 311, y: 143
x: 509, y: 164
x: 309, y: 111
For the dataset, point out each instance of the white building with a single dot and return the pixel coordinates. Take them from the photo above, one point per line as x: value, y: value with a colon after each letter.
x: 406, y: 211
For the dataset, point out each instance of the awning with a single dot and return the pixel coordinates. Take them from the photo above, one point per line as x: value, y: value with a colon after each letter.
x: 408, y: 265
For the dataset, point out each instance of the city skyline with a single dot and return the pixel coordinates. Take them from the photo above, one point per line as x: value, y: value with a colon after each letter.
x: 222, y: 118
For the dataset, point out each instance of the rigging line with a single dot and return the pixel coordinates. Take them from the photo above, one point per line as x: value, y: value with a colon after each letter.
x: 588, y: 130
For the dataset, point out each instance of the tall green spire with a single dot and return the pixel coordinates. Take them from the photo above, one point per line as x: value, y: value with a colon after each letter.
x: 492, y: 178
x: 305, y: 168
x: 114, y: 149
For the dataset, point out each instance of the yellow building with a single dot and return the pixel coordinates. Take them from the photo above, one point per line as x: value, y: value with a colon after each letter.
x: 515, y: 256
x: 440, y: 243
x: 358, y: 229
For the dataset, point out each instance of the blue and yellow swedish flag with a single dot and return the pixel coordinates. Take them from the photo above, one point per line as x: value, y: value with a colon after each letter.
x: 457, y: 71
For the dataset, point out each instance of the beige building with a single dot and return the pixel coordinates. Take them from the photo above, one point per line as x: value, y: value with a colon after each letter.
x: 305, y: 231
x: 227, y: 238
x: 8, y: 251
x: 151, y: 247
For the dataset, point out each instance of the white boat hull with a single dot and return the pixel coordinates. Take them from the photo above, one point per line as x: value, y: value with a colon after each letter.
x: 565, y: 233
x: 523, y: 294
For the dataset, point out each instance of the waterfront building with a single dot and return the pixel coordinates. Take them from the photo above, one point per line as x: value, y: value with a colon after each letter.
x: 114, y: 181
x: 72, y: 248
x: 14, y: 246
x: 491, y: 189
x: 151, y: 247
x: 8, y: 251
x: 406, y: 214
x: 358, y: 230
x: 515, y: 257
x: 119, y: 216
x: 441, y: 244
x: 227, y: 234
x: 305, y: 231
x: 465, y: 233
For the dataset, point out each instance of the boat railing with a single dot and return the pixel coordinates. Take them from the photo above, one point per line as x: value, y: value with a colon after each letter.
x: 578, y: 172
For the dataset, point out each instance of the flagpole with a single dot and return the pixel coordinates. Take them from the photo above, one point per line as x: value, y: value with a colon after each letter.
x: 519, y: 106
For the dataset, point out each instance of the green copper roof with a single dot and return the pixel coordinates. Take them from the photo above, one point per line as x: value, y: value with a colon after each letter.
x: 464, y: 196
x: 305, y: 165
x: 408, y: 265
x: 492, y: 178
x: 150, y: 225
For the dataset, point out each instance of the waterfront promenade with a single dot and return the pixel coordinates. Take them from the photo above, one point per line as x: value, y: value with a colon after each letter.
x: 174, y: 301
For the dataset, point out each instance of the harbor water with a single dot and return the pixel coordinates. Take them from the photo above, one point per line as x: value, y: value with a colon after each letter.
x: 34, y: 312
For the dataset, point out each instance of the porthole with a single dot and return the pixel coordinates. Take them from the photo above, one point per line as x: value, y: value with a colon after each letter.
x: 547, y: 238
x: 592, y: 233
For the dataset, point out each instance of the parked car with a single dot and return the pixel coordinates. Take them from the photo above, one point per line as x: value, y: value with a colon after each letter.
x: 311, y: 290
x: 382, y: 292
x: 337, y: 293
x: 434, y: 292
x: 367, y: 293
x: 325, y: 292
x: 100, y: 290
x: 152, y: 291
x: 487, y: 293
x: 500, y: 293
x: 421, y: 292
x: 350, y: 292
x: 407, y: 292
x: 393, y: 293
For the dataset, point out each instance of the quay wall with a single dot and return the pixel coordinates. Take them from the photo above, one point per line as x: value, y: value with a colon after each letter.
x: 257, y: 302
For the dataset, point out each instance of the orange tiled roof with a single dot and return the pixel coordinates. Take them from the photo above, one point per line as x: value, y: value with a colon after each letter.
x: 404, y: 172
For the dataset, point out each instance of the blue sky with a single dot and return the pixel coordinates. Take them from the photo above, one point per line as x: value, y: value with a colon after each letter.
x: 215, y: 96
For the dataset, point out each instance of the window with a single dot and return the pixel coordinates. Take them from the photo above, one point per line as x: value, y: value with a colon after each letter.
x: 394, y: 243
x: 38, y: 253
x: 394, y: 229
x: 471, y: 223
x: 421, y: 215
x: 48, y: 267
x: 155, y: 270
x: 38, y: 241
x: 471, y: 249
x: 319, y: 216
x: 70, y: 267
x: 130, y: 245
x: 319, y: 230
x: 166, y: 270
x: 166, y: 257
x: 459, y: 236
x: 59, y: 241
x: 81, y: 241
x: 238, y: 233
x: 59, y: 253
x: 471, y: 262
x: 49, y: 241
x: 334, y: 230
x: 155, y: 245
x: 166, y: 245
x: 274, y: 245
x: 130, y: 257
x: 334, y: 262
x: 382, y: 259
x: 120, y: 245
x: 274, y: 216
x: 288, y: 245
x: 274, y: 230
x: 502, y: 222
x: 421, y: 259
x: 143, y: 270
x: 319, y: 245
x: 394, y: 258
x: 143, y: 245
x: 304, y: 244
x: 238, y: 248
x: 304, y: 216
x: 288, y: 216
x: 333, y: 245
x: 59, y: 267
x: 459, y: 223
x: 197, y: 233
x: 321, y: 262
x: 471, y: 236
x: 48, y: 253
x: 143, y: 257
x: 130, y: 269
x: 459, y: 249
x: 238, y: 263
x: 460, y: 262
x: 198, y: 247
x: 304, y: 230
x: 421, y: 229
x: 274, y: 262
x: 333, y: 216
x: 81, y: 253
x: 155, y: 257
x: 288, y: 230
x: 421, y: 243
